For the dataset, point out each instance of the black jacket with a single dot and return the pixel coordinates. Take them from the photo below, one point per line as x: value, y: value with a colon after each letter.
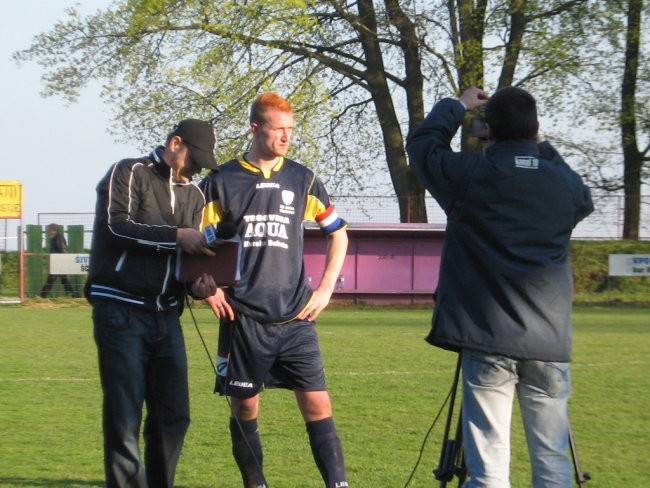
x: 133, y: 253
x: 505, y: 282
x: 58, y: 244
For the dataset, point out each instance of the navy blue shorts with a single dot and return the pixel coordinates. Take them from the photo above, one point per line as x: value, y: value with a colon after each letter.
x: 253, y: 355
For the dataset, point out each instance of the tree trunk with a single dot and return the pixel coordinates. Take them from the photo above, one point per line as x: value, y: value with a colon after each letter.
x: 632, y: 160
x: 409, y: 192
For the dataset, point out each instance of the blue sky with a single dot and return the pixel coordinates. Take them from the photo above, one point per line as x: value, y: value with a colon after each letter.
x: 58, y: 152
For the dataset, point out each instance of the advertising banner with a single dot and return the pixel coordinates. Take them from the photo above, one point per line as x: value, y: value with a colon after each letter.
x: 629, y: 265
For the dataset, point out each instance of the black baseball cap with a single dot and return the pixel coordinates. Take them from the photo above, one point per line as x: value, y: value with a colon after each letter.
x: 199, y: 136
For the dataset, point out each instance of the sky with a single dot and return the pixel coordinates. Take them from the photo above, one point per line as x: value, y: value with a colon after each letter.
x: 58, y: 152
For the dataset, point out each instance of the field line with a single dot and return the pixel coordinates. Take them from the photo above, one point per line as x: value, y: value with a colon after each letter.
x: 47, y: 378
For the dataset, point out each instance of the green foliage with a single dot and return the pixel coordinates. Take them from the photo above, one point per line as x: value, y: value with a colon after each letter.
x: 351, y: 70
x: 387, y: 385
x: 592, y: 284
x: 594, y: 143
x: 10, y: 276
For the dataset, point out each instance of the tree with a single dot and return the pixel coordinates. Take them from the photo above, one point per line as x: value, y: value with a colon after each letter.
x: 633, y: 157
x: 358, y: 73
x: 613, y: 85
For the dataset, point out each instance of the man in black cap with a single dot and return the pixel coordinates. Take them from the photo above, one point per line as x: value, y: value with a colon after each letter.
x: 147, y: 208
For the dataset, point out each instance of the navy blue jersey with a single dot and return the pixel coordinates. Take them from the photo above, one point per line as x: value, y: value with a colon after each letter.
x: 269, y: 211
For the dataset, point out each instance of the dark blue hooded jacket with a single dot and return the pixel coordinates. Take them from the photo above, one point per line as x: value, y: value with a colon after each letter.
x: 505, y: 283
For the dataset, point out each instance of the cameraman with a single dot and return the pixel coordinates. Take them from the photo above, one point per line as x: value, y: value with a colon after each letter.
x: 505, y: 290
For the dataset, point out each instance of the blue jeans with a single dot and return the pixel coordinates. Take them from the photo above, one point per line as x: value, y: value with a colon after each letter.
x: 543, y: 390
x: 141, y: 359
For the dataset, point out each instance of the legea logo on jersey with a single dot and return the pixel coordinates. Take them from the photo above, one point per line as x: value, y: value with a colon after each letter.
x: 287, y: 200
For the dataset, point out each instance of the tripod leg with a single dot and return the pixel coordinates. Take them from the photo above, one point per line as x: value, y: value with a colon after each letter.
x: 581, y: 476
x: 460, y: 468
x: 452, y: 460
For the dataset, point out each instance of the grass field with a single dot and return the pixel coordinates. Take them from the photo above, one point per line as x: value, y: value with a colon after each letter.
x: 386, y: 382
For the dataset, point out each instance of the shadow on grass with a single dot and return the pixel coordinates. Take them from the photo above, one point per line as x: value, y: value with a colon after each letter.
x: 68, y: 483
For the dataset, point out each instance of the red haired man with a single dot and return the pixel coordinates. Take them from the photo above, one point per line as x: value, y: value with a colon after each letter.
x: 267, y: 320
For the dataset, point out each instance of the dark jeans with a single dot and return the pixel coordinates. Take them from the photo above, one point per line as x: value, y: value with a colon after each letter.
x: 141, y: 359
x: 47, y: 287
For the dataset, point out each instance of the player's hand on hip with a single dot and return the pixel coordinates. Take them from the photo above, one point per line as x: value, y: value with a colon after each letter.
x: 220, y: 306
x: 319, y: 300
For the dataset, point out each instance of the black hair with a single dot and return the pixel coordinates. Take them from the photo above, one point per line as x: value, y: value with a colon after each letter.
x: 511, y: 113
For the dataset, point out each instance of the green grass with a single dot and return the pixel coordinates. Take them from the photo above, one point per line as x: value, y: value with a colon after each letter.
x: 387, y: 386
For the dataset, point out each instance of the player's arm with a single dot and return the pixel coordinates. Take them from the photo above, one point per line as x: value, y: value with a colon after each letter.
x: 212, y: 215
x: 337, y: 246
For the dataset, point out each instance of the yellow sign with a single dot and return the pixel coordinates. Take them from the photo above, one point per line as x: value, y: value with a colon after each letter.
x: 11, y: 200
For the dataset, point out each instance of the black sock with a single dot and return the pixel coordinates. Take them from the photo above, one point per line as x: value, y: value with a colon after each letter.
x: 247, y: 450
x: 328, y: 453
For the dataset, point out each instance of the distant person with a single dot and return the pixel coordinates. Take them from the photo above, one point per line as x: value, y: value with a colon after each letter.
x: 504, y: 296
x: 267, y: 334
x: 147, y: 208
x: 58, y: 245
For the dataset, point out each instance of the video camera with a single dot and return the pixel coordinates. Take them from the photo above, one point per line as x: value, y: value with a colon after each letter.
x: 479, y: 128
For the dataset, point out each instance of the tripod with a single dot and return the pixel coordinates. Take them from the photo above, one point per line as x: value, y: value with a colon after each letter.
x: 452, y: 460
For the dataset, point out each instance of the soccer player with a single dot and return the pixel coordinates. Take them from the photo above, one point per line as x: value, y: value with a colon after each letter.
x: 267, y: 320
